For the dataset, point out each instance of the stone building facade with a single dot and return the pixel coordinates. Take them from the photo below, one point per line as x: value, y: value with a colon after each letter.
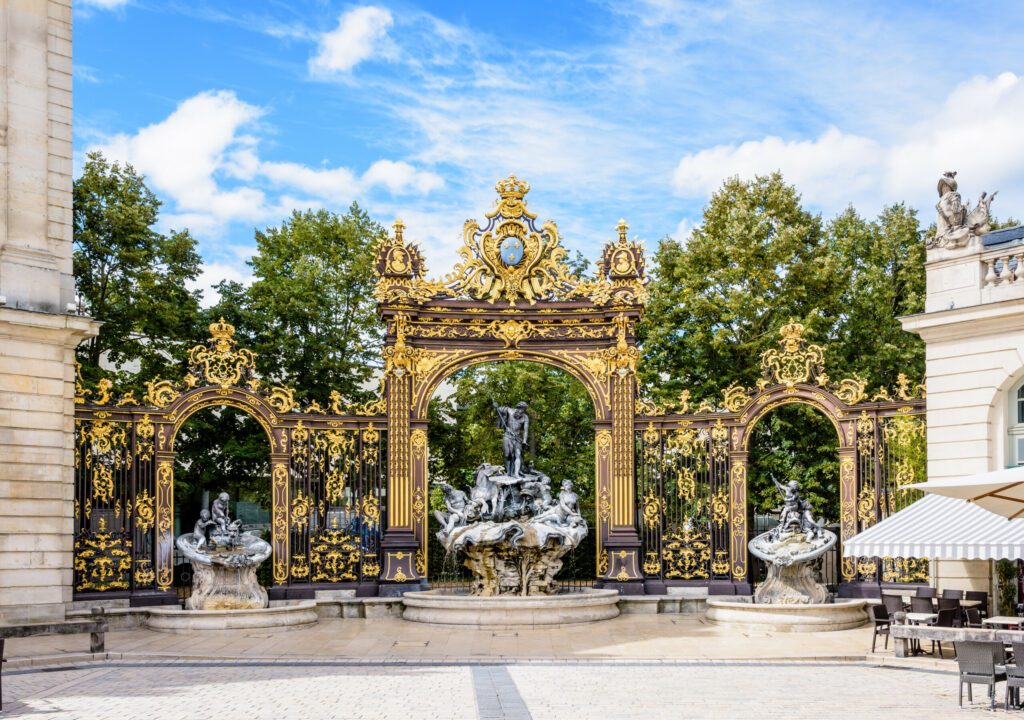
x: 39, y: 329
x: 973, y: 328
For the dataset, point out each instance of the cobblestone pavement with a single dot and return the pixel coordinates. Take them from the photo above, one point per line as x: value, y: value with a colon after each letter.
x: 521, y: 690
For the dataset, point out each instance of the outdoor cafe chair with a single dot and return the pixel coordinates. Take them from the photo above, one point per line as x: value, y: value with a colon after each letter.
x: 953, y: 594
x: 893, y: 603
x: 952, y: 604
x: 882, y: 622
x: 976, y: 662
x: 926, y: 591
x: 973, y: 617
x: 1014, y: 682
x: 982, y: 597
x: 921, y: 605
x: 946, y: 619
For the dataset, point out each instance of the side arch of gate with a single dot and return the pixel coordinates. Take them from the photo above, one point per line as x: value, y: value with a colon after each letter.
x: 327, y: 479
x: 692, y: 467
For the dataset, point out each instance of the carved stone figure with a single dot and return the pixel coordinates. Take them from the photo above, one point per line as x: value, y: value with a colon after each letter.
x: 510, y: 532
x: 516, y: 424
x: 459, y: 507
x: 956, y: 223
x: 223, y: 565
x: 792, y: 550
x: 202, y: 528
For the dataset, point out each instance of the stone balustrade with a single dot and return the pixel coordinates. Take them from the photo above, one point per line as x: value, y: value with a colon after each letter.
x: 1003, y: 267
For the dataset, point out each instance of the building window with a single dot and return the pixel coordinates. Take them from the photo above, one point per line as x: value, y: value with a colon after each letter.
x: 1016, y: 430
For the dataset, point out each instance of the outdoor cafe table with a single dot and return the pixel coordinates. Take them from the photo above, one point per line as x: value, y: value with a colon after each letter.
x: 1007, y: 620
x: 916, y: 619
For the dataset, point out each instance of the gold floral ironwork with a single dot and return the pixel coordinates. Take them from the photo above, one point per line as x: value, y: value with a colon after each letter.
x: 103, y: 562
x: 686, y: 552
x: 796, y: 362
x: 145, y: 516
x: 220, y: 362
x: 653, y: 506
x: 334, y: 557
x: 533, y: 270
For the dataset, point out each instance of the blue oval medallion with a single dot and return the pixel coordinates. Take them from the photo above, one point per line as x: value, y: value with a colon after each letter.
x: 511, y: 251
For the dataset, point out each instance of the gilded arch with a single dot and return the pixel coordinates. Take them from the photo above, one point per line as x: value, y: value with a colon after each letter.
x: 793, y: 372
x: 511, y: 297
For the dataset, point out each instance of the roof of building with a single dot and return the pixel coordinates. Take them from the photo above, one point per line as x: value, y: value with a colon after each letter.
x: 1001, y: 237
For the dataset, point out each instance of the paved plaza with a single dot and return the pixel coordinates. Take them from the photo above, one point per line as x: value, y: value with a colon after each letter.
x: 635, y: 666
x: 556, y: 689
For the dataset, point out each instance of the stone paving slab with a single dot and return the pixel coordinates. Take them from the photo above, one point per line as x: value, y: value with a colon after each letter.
x: 496, y: 691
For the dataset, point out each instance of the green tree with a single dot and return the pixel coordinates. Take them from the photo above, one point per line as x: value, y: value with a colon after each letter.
x: 132, y: 278
x: 309, y: 313
x: 757, y: 260
x: 881, y: 265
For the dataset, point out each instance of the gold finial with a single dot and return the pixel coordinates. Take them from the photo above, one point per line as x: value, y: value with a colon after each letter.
x: 622, y: 227
x: 222, y: 330
x: 792, y: 335
x: 512, y: 188
x: 399, y: 227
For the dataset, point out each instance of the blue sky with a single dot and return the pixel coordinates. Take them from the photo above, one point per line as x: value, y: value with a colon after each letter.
x: 239, y: 111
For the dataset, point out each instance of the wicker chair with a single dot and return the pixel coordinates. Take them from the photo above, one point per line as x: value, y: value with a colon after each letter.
x: 926, y: 591
x: 1015, y: 676
x: 976, y: 662
x: 882, y: 622
x: 953, y: 594
x: 982, y: 597
x: 921, y: 605
x: 893, y: 603
x: 973, y: 617
x: 946, y: 619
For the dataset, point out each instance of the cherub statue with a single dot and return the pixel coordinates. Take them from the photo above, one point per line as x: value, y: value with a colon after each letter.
x: 796, y: 511
x: 221, y: 520
x: 202, y: 525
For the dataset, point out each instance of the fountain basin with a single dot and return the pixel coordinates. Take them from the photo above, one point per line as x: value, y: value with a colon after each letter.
x: 844, y: 614
x: 447, y: 608
x: 282, y: 617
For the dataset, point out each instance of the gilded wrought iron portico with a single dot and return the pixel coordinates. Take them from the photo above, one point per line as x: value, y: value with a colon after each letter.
x: 349, y: 482
x: 511, y: 297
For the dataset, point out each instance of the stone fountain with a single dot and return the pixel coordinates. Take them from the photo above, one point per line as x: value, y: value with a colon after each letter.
x: 512, y: 533
x: 791, y: 599
x: 226, y: 593
x: 224, y: 561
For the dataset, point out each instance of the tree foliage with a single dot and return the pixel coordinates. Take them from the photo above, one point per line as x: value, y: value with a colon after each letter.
x: 759, y: 260
x: 132, y: 277
x: 309, y: 313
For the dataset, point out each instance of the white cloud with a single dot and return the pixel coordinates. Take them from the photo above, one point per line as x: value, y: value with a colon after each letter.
x: 360, y: 35
x: 181, y: 154
x: 401, y: 177
x: 976, y: 131
x: 204, y: 158
x: 215, y: 272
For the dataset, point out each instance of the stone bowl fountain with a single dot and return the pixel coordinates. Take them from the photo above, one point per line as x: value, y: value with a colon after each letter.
x: 790, y: 599
x: 225, y: 591
x: 512, y: 534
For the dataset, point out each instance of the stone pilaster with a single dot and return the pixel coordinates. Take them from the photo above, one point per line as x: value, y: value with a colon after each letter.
x: 37, y: 414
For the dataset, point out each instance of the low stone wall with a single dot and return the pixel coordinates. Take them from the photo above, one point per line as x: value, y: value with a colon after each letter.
x: 903, y: 634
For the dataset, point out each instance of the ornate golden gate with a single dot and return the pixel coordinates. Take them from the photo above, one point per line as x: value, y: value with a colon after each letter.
x: 692, y: 468
x: 349, y: 484
x: 327, y: 479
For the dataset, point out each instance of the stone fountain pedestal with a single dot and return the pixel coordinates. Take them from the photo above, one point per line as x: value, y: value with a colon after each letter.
x: 219, y: 587
x: 446, y: 608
